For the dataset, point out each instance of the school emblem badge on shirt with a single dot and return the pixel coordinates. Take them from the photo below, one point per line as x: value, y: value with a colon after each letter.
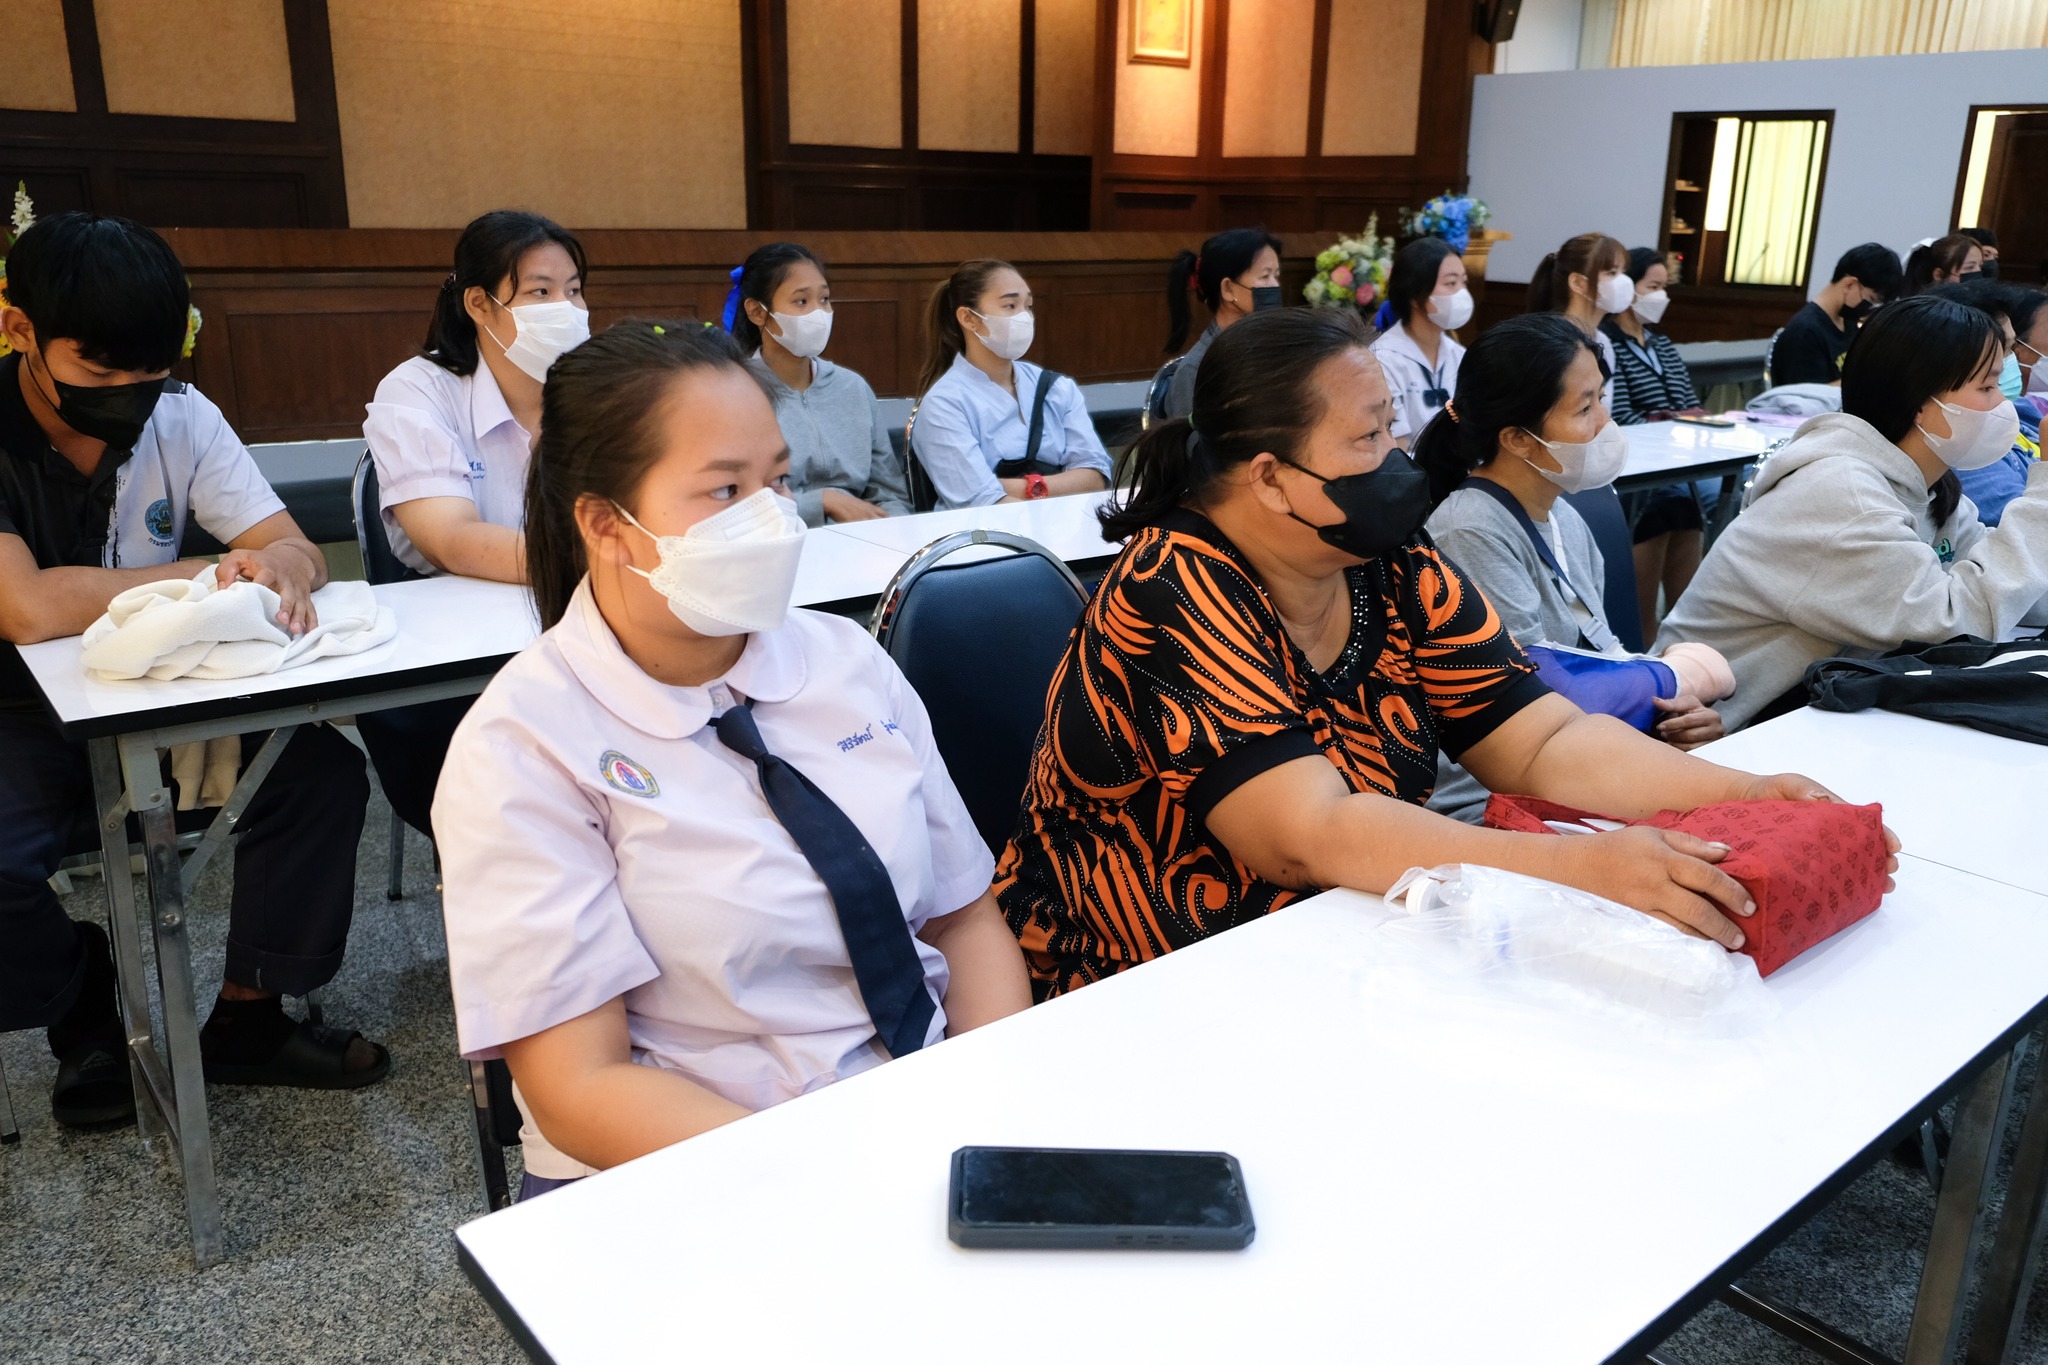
x: 158, y: 520
x: 623, y: 774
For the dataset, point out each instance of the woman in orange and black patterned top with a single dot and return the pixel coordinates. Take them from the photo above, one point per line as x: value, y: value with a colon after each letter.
x: 1253, y: 704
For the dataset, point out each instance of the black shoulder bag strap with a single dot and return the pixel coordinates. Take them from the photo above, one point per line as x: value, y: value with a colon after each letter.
x: 1514, y: 507
x: 1031, y: 464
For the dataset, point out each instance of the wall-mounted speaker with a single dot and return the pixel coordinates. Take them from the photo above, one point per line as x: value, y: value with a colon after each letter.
x: 1494, y: 20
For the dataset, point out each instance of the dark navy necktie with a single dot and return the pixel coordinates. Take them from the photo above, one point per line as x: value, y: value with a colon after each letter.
x: 885, y: 961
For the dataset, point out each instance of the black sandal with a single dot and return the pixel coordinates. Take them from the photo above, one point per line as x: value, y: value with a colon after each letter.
x: 310, y: 1059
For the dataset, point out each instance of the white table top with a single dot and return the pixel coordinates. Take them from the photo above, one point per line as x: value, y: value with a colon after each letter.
x: 443, y: 622
x: 1434, y: 1176
x: 1066, y: 526
x: 1953, y: 795
x: 1673, y: 447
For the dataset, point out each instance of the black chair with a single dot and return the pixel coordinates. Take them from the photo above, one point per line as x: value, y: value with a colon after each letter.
x: 924, y: 495
x: 497, y: 1127
x: 979, y: 642
x: 380, y: 565
x: 1601, y: 507
x: 1155, y: 394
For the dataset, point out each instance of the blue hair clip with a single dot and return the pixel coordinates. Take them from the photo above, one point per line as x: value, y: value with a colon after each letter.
x: 1384, y: 318
x: 732, y: 297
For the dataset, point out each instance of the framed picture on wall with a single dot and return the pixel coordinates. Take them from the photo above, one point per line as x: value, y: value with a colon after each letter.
x: 1163, y: 32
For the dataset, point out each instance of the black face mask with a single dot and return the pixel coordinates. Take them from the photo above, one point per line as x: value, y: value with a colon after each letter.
x: 114, y: 413
x: 1861, y: 312
x: 1990, y: 270
x: 1383, y: 509
x: 1265, y: 296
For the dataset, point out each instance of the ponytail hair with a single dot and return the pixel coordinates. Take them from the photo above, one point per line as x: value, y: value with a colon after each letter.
x: 1512, y: 377
x: 486, y: 255
x: 1946, y: 254
x: 1256, y: 391
x: 1223, y: 257
x: 1591, y: 254
x: 942, y: 336
x: 601, y: 411
x: 758, y: 279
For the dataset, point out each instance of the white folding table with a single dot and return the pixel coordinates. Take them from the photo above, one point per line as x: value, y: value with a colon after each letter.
x: 1066, y: 526
x: 1434, y: 1175
x: 453, y: 635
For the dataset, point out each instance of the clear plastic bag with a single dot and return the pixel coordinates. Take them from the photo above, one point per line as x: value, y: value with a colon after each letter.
x: 1539, y: 942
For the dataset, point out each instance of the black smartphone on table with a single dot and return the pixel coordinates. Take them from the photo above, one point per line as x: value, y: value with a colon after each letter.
x: 1080, y: 1198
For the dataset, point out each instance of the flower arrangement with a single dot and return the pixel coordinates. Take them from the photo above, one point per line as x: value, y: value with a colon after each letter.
x: 1352, y: 273
x: 1453, y: 217
x: 19, y: 220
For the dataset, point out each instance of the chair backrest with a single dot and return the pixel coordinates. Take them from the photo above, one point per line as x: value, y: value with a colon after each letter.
x: 924, y: 496
x: 380, y: 565
x: 1155, y: 394
x: 1601, y: 507
x: 1769, y: 351
x: 979, y: 642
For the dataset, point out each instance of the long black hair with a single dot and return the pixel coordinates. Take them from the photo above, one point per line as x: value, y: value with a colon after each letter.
x: 760, y: 277
x: 1511, y: 378
x: 487, y: 254
x: 1413, y: 278
x: 1256, y: 391
x: 1223, y: 257
x: 600, y: 413
x: 1909, y: 352
x: 1945, y: 254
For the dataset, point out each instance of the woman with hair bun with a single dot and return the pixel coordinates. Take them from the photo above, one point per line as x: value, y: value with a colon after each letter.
x: 1235, y: 274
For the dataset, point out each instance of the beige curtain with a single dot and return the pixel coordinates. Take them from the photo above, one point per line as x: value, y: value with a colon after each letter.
x: 1777, y: 182
x: 1700, y: 32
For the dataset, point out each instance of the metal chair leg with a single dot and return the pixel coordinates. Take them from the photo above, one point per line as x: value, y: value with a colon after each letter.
x: 9, y: 1133
x: 394, y: 889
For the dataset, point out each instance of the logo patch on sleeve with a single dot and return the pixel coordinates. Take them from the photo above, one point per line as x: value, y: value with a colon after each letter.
x: 623, y: 774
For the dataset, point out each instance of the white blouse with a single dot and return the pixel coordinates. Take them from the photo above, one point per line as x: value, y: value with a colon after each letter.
x: 598, y: 840
x: 435, y: 434
x: 1420, y: 389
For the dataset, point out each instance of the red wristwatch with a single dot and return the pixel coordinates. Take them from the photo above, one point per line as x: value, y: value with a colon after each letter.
x: 1034, y: 486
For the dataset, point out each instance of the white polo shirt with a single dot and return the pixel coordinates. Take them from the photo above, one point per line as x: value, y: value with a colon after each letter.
x: 967, y: 424
x: 1420, y: 389
x: 435, y: 434
x: 597, y: 840
x: 188, y: 464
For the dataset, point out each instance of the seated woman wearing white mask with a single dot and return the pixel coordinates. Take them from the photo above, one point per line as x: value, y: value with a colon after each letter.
x: 664, y: 823
x: 1587, y: 280
x: 841, y: 465
x: 990, y: 428
x: 1427, y: 295
x: 1525, y: 428
x: 450, y: 433
x: 1857, y: 536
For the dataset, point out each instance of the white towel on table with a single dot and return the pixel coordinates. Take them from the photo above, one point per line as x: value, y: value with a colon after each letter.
x: 188, y: 628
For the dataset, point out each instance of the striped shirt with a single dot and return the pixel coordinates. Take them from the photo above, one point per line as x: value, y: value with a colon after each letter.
x: 1648, y: 377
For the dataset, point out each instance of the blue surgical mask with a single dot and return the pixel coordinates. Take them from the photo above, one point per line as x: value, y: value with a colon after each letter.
x: 2009, y: 377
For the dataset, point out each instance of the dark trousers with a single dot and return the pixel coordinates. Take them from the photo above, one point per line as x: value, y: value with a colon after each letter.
x: 295, y: 865
x: 408, y: 744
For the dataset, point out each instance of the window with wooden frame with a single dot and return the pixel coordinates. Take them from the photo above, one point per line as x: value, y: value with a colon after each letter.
x: 2005, y: 165
x: 1742, y: 195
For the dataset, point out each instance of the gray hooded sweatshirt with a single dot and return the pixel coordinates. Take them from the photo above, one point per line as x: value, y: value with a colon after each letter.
x: 1837, y: 552
x: 836, y: 440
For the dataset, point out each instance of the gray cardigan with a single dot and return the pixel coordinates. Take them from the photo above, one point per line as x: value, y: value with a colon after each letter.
x: 836, y: 440
x: 1484, y: 539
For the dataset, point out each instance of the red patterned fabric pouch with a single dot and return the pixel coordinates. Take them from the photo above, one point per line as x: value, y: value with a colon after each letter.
x: 1813, y: 867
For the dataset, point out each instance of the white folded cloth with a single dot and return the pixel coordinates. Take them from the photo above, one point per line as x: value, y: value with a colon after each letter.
x: 181, y: 628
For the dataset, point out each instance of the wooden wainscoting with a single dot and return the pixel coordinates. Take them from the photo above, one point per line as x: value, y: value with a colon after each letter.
x: 1711, y: 313
x: 301, y: 324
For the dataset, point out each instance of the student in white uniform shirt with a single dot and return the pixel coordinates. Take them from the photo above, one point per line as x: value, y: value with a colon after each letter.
x: 974, y: 418
x: 104, y: 461
x: 1427, y: 294
x: 450, y: 432
x: 1587, y: 280
x: 632, y: 921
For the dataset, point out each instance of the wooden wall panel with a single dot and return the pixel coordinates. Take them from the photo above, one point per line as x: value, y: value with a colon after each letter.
x: 968, y: 63
x: 607, y: 113
x: 1158, y: 108
x: 301, y: 325
x: 1063, y: 108
x: 38, y: 74
x: 1374, y: 104
x: 1712, y: 313
x: 196, y: 58
x: 1268, y: 74
x: 846, y: 72
x: 178, y: 170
